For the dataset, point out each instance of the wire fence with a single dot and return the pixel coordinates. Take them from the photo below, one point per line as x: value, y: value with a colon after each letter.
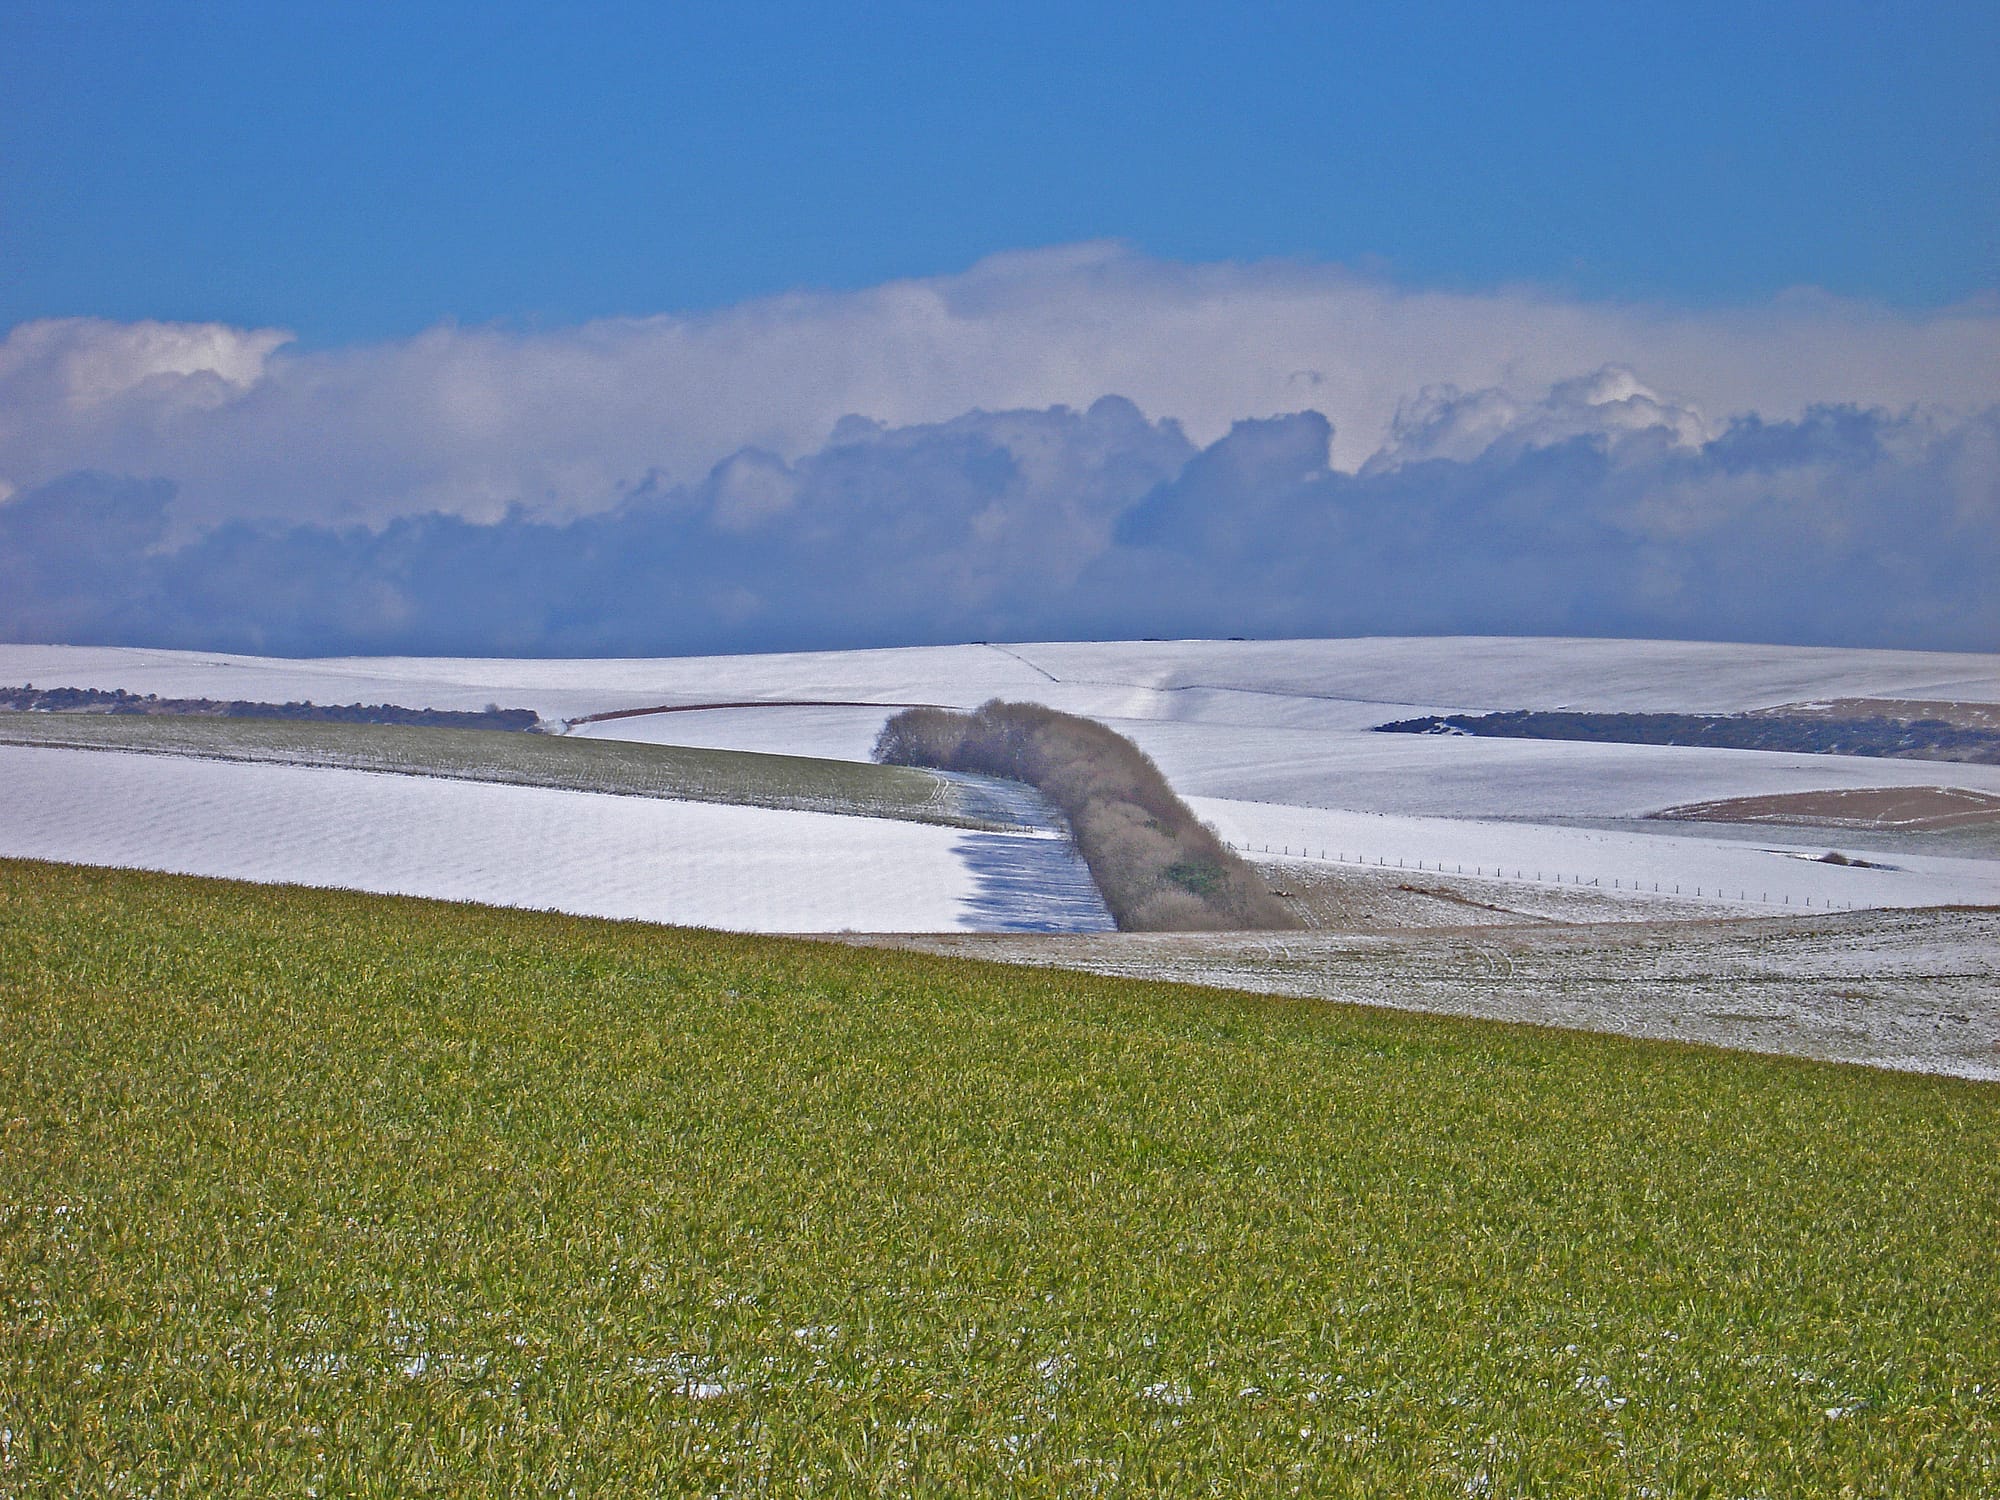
x: 1737, y: 895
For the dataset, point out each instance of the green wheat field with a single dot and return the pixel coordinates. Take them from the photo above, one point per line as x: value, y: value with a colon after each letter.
x: 316, y: 1193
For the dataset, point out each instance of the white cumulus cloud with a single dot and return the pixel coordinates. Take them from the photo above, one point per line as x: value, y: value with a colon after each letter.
x: 486, y: 421
x: 1445, y: 422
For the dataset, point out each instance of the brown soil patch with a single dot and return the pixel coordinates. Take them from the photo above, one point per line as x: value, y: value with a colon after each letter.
x: 1911, y: 808
x: 1910, y: 710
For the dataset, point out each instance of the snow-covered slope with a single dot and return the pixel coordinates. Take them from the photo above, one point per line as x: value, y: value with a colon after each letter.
x: 1451, y: 673
x: 1763, y: 876
x: 1347, y: 681
x: 1476, y: 777
x: 688, y: 863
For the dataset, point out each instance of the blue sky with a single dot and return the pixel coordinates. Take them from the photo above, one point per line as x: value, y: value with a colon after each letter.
x: 656, y: 328
x: 358, y: 172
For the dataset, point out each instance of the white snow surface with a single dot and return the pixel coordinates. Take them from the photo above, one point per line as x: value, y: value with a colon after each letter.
x: 832, y: 733
x: 1344, y: 681
x: 1239, y: 725
x: 687, y: 863
x: 1774, y: 875
x: 1466, y: 776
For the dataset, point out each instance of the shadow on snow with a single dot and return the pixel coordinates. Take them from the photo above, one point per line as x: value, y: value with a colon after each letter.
x: 1025, y: 884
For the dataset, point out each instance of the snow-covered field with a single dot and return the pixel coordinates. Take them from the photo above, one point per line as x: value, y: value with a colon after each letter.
x: 688, y: 863
x: 1733, y: 877
x: 1272, y: 738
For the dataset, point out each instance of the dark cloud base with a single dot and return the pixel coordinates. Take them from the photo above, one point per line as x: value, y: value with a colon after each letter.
x: 1845, y: 527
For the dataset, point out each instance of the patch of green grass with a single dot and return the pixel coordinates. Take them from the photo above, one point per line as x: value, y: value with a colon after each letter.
x: 315, y: 1192
x: 1196, y: 877
x: 586, y: 765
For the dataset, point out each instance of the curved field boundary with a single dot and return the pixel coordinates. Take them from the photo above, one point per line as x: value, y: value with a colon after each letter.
x: 695, y: 708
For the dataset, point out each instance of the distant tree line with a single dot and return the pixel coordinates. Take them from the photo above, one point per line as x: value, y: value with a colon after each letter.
x: 68, y: 700
x: 1159, y: 868
x: 1902, y: 739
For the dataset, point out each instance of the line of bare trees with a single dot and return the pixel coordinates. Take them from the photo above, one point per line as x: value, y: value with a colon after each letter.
x: 1159, y: 868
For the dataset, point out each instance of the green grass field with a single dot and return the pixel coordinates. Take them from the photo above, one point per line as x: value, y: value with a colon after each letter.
x: 314, y: 1193
x: 584, y: 765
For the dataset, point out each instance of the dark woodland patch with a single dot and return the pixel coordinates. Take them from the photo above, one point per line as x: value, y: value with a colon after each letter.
x: 68, y: 700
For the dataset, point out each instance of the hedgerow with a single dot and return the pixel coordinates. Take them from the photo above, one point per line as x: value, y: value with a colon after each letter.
x: 1160, y: 868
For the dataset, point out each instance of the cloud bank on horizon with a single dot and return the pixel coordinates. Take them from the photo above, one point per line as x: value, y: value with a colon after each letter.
x: 1080, y: 441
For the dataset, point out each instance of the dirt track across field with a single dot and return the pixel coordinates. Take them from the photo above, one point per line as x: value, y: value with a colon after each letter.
x: 697, y: 708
